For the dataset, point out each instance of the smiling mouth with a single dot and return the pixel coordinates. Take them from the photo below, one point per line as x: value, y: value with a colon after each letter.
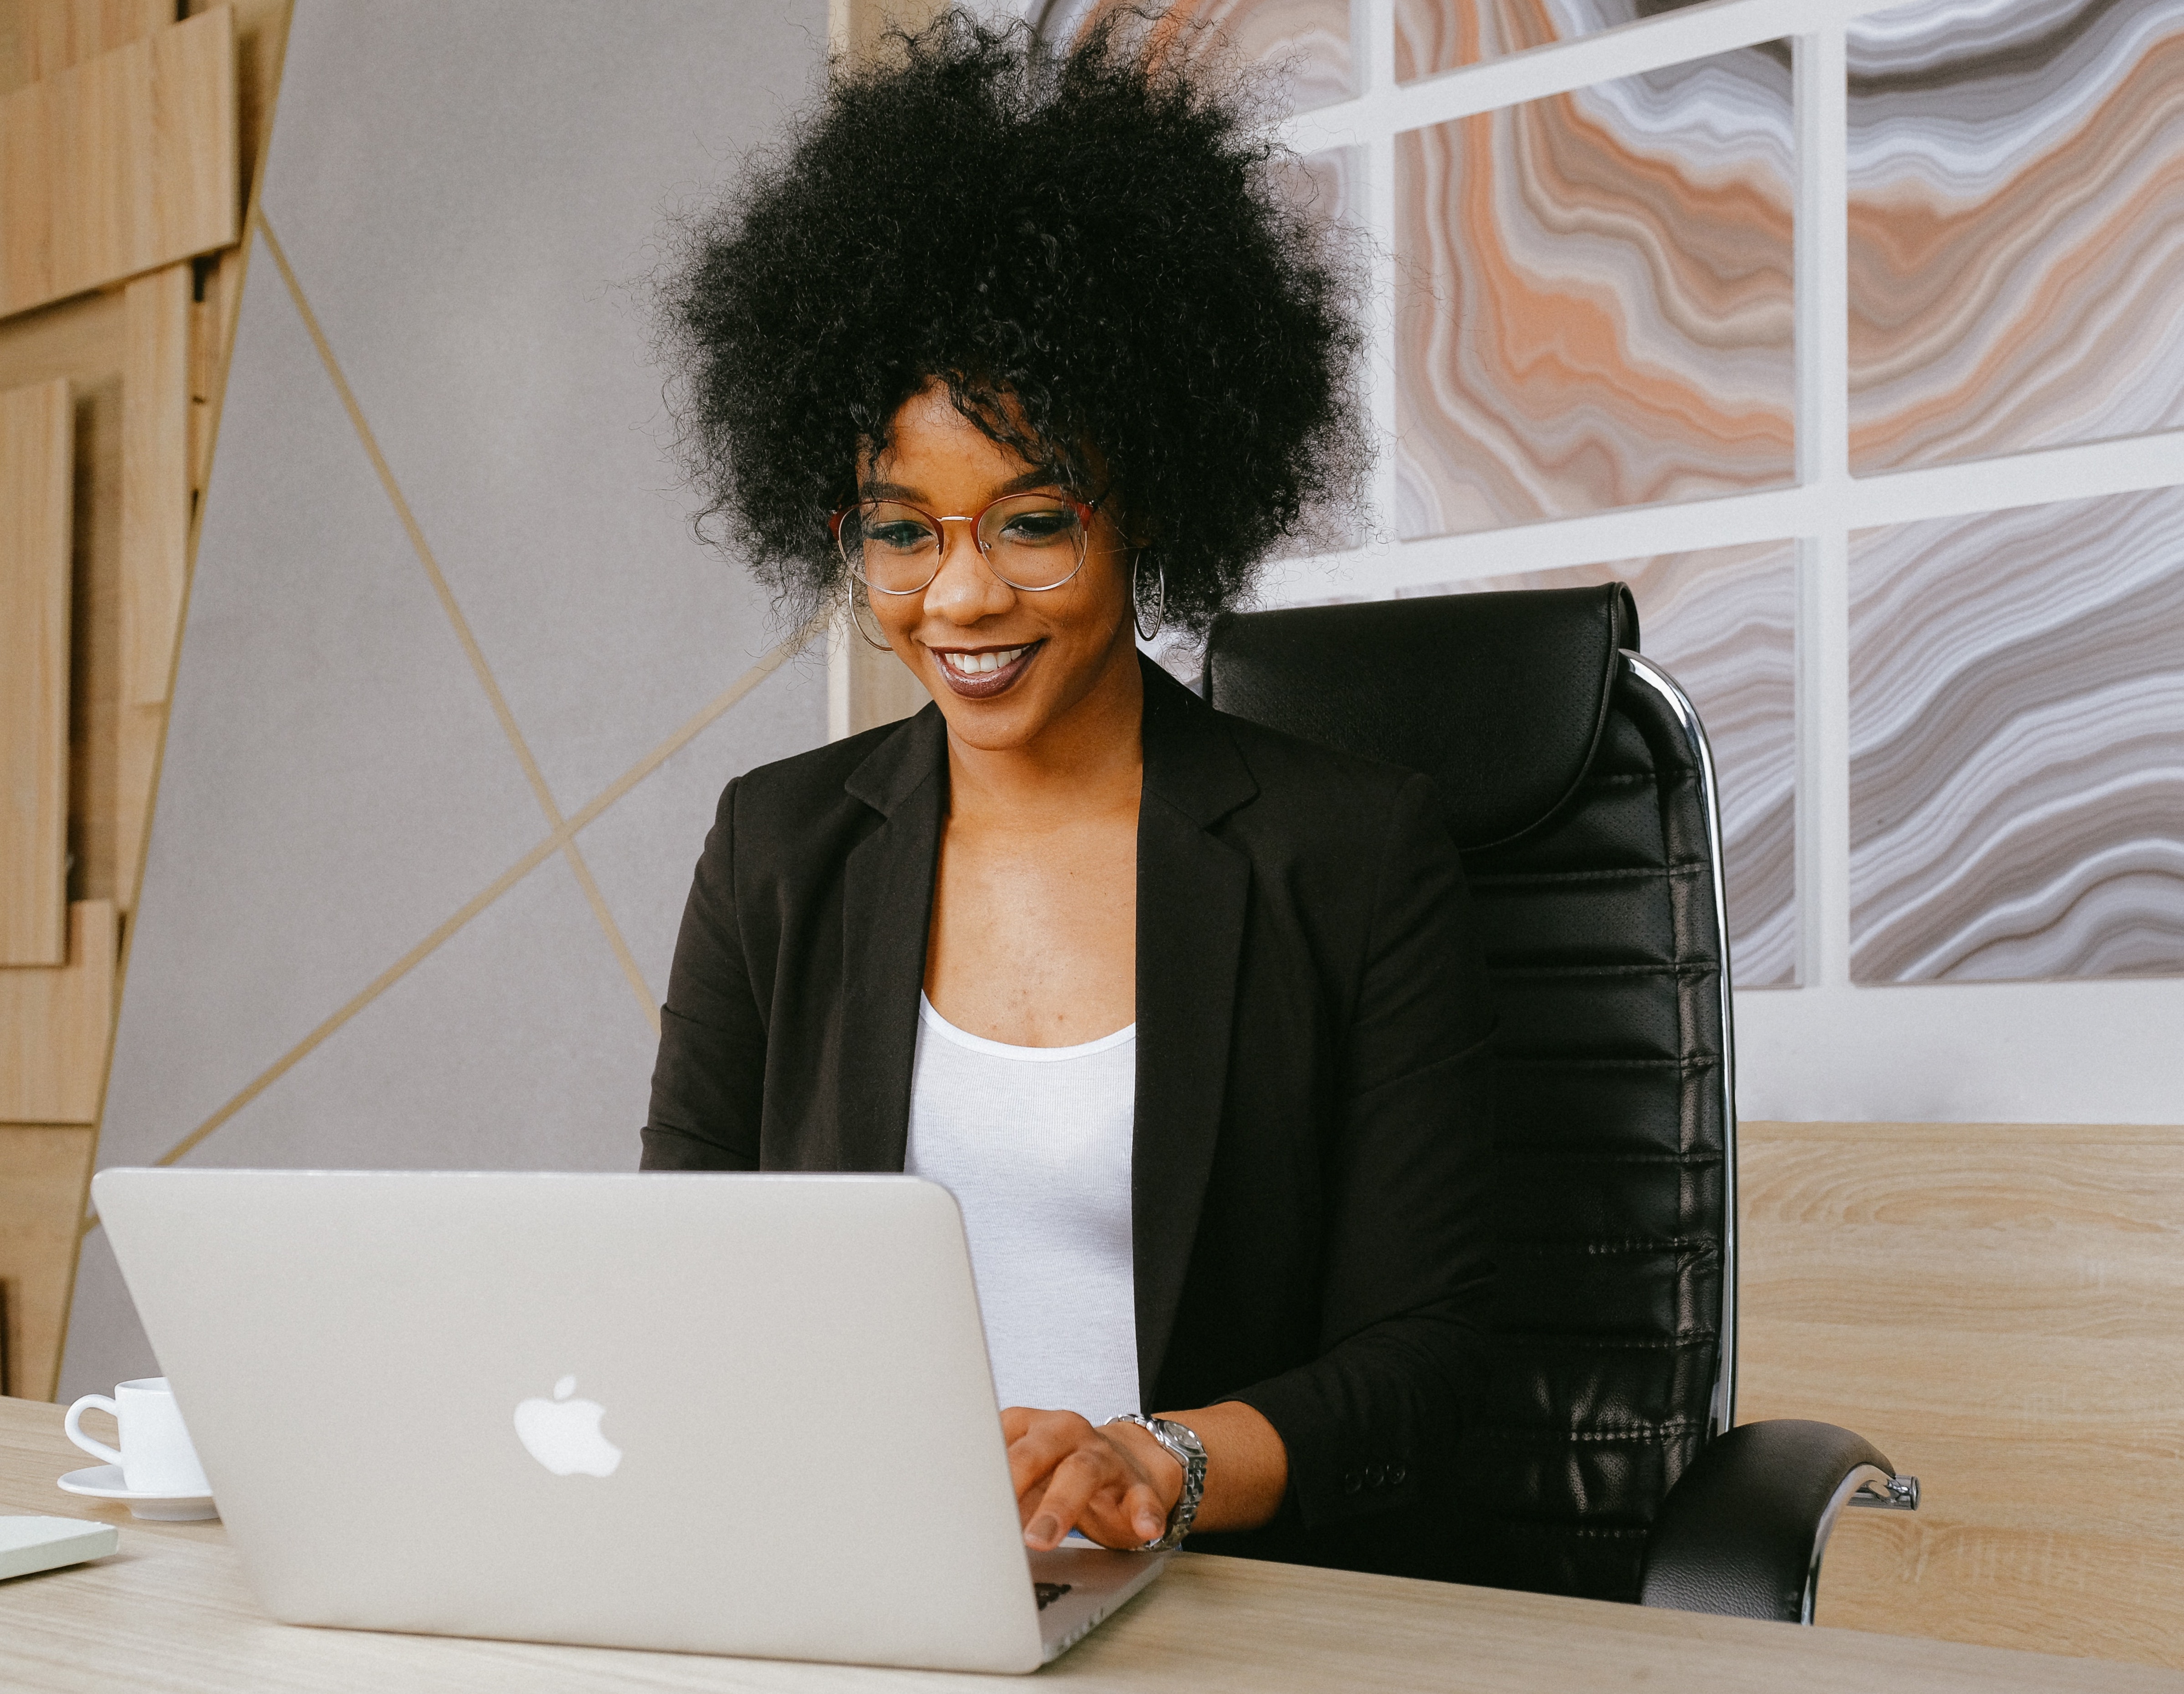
x: 980, y: 675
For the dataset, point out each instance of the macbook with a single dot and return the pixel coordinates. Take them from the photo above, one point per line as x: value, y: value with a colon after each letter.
x: 744, y: 1414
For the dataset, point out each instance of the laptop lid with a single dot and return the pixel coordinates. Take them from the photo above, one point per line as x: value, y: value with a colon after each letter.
x: 743, y: 1414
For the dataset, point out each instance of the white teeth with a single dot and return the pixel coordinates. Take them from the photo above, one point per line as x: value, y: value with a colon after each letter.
x: 982, y: 664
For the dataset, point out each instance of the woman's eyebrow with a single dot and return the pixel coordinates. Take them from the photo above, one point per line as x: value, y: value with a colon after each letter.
x: 872, y: 488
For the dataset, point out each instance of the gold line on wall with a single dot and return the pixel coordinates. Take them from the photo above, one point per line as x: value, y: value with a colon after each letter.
x: 646, y: 1002
x: 212, y: 344
x: 559, y: 840
x: 371, y: 991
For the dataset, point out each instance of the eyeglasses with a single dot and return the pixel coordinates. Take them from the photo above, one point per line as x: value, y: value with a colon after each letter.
x: 1031, y: 542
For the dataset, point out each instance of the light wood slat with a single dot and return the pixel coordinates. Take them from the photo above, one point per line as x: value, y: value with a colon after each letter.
x: 57, y: 34
x: 80, y: 339
x: 170, y: 1612
x: 119, y: 164
x: 94, y: 647
x: 138, y: 733
x: 208, y: 327
x: 55, y: 1025
x: 45, y: 1179
x: 868, y: 687
x: 2000, y: 1309
x: 37, y: 462
x: 155, y: 479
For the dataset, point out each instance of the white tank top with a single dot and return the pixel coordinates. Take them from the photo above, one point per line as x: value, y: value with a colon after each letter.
x: 1034, y: 1144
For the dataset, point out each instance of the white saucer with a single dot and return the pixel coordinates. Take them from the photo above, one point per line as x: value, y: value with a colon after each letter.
x: 103, y: 1482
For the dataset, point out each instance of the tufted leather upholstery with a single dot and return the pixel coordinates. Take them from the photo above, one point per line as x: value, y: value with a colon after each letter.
x: 1576, y: 794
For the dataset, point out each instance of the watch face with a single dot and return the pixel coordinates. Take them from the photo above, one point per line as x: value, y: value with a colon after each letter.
x: 1184, y: 1447
x: 1181, y: 1434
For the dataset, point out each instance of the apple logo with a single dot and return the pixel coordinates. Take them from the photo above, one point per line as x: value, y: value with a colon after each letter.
x: 563, y: 1434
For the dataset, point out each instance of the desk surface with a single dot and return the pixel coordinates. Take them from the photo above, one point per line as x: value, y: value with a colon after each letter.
x: 169, y: 1611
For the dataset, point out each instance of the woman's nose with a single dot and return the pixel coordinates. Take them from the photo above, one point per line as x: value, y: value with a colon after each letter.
x: 964, y: 590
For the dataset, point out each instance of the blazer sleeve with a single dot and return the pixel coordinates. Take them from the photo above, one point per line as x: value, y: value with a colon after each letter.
x: 1406, y: 1168
x: 709, y: 1080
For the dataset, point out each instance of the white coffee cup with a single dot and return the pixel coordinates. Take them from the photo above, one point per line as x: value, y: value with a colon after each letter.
x: 156, y: 1457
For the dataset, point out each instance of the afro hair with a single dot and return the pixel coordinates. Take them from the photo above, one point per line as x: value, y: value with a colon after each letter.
x: 1100, y: 252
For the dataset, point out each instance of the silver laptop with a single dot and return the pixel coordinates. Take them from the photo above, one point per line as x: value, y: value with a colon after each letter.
x: 726, y: 1414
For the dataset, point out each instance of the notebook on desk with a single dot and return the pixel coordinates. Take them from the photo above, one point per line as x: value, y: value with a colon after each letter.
x: 727, y: 1414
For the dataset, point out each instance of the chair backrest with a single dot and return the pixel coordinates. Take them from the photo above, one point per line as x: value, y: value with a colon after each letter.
x: 1578, y: 785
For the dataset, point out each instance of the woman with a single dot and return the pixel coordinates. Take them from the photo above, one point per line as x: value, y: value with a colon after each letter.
x: 1024, y: 355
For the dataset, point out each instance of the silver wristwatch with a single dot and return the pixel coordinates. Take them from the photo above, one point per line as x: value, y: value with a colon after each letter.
x: 1183, y: 1446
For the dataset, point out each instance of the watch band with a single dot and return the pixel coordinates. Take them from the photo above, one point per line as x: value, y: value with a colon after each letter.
x: 1184, y: 1446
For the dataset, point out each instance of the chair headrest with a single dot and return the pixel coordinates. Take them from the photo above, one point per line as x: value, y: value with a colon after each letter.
x: 1500, y: 697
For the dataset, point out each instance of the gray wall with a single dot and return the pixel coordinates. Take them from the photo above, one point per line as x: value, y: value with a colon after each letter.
x: 361, y: 941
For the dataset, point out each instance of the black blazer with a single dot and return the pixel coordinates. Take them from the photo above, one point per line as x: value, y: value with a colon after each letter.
x: 1309, y: 1159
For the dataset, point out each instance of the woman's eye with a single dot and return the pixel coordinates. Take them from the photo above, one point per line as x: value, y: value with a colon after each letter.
x: 1038, y: 528
x: 899, y: 537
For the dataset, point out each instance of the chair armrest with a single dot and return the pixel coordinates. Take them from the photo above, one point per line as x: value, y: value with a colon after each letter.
x: 1742, y: 1531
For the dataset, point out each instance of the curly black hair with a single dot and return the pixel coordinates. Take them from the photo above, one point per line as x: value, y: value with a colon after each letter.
x: 1100, y: 254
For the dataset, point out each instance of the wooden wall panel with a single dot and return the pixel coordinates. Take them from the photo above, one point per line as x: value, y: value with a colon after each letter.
x: 56, y: 34
x: 119, y: 164
x: 95, y: 661
x: 880, y: 687
x: 80, y: 339
x: 45, y: 1180
x: 56, y: 1025
x: 37, y: 458
x: 2000, y: 1309
x: 139, y: 732
x: 155, y: 479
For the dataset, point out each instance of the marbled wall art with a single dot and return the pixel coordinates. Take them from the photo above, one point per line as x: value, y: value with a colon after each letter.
x: 1434, y: 36
x: 1723, y: 623
x: 1329, y: 188
x: 2017, y: 744
x: 1307, y: 40
x: 1595, y: 301
x: 2016, y: 227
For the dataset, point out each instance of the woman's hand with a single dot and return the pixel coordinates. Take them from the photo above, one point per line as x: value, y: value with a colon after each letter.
x: 1114, y: 1483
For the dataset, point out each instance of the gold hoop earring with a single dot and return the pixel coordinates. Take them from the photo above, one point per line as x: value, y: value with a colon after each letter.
x: 856, y: 599
x: 1137, y: 599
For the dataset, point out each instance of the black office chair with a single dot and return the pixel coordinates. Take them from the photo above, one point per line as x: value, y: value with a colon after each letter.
x: 1603, y: 1458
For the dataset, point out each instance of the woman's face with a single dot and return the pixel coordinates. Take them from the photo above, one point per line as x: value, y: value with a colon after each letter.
x: 1054, y: 648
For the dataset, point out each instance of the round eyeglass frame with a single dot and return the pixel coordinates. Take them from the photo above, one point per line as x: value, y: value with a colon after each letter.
x: 1083, y: 509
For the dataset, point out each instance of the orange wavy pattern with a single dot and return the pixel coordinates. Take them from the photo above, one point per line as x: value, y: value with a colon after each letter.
x: 1434, y: 36
x: 1307, y: 40
x: 1598, y: 308
x: 2016, y: 227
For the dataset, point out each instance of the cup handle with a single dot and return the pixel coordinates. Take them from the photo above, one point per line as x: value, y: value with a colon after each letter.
x: 73, y: 1427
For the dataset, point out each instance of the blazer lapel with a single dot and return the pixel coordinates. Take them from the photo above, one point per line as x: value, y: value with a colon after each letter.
x: 1193, y: 891
x: 887, y: 912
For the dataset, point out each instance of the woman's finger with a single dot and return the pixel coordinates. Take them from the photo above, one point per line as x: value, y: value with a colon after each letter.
x: 1146, y: 1513
x: 1069, y: 1491
x: 1043, y: 1440
x: 1124, y: 1518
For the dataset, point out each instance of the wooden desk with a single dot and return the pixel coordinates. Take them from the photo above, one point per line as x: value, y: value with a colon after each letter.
x: 169, y: 1611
